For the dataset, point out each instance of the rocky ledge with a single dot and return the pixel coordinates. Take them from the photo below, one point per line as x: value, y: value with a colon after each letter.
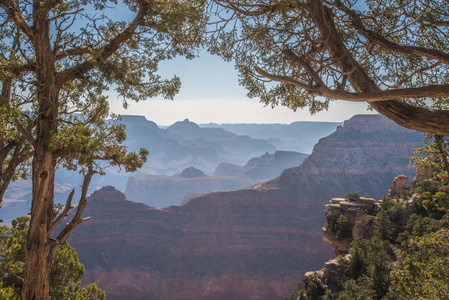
x: 348, y: 219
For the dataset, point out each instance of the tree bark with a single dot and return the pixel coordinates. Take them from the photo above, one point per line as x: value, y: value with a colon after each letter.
x: 39, y: 255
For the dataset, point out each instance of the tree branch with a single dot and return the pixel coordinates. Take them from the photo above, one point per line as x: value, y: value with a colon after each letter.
x: 63, y: 214
x: 77, y: 219
x: 108, y: 50
x: 26, y: 133
x: 378, y: 39
x: 10, y: 7
x: 372, y: 96
x: 417, y: 118
x: 72, y: 52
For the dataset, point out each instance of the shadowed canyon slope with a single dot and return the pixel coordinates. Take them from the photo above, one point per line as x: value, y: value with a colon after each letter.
x: 246, y: 244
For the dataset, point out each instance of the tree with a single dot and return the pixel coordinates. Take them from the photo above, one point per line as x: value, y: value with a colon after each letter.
x: 433, y: 155
x: 392, y: 54
x: 423, y: 271
x: 66, y: 271
x: 57, y: 60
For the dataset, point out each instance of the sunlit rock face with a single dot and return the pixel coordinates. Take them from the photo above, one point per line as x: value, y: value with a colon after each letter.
x: 246, y: 244
x: 363, y: 156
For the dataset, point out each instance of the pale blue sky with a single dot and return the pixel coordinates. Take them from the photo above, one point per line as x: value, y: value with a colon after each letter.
x: 210, y: 93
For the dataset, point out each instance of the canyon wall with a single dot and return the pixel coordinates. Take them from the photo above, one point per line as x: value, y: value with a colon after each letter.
x: 219, y: 246
x: 247, y: 244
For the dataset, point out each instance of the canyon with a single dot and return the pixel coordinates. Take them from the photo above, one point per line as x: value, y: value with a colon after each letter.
x: 253, y: 243
x: 164, y: 190
x: 180, y: 146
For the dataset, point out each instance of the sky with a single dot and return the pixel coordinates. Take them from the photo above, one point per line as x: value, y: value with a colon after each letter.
x: 210, y: 92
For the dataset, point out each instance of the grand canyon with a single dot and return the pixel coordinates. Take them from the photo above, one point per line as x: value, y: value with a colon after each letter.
x: 252, y: 243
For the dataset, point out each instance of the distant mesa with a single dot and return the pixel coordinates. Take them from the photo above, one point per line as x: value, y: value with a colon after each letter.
x: 192, y: 172
x: 138, y: 121
x: 107, y: 193
x: 183, y: 127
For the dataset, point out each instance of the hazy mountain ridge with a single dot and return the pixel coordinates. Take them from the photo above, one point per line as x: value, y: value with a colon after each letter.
x: 163, y: 190
x: 172, y: 149
x: 298, y: 136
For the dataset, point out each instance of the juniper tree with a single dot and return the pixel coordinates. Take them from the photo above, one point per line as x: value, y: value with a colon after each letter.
x: 392, y: 54
x: 57, y: 59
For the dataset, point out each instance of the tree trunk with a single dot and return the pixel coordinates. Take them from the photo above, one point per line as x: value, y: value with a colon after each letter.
x: 409, y: 116
x: 39, y: 256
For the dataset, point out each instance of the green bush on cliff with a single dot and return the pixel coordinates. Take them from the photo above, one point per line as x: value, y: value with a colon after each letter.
x: 66, y: 272
x: 407, y: 258
x: 352, y: 197
x: 340, y: 227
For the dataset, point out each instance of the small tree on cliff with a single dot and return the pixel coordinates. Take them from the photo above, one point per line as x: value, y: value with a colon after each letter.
x: 57, y: 58
x: 392, y: 54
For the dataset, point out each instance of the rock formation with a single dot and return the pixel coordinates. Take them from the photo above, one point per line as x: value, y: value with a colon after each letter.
x: 363, y: 156
x: 163, y: 191
x: 348, y: 220
x: 247, y: 244
x: 298, y: 136
x: 265, y: 167
x: 399, y: 184
x: 215, y: 247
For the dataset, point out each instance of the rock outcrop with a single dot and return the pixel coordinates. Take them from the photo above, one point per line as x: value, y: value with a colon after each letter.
x: 348, y: 220
x: 398, y: 186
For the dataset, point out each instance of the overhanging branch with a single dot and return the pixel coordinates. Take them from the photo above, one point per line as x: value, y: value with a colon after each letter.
x: 376, y: 38
x: 429, y: 91
x: 79, y: 70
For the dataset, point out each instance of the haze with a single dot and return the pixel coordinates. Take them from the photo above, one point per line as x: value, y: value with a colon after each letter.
x: 210, y: 92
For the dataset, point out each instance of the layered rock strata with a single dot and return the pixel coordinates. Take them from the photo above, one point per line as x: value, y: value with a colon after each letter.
x: 221, y: 246
x: 348, y: 220
x: 247, y: 244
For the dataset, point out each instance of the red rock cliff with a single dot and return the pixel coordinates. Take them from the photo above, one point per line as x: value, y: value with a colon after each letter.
x: 221, y: 246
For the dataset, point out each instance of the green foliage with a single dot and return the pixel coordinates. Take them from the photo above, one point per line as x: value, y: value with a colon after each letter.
x: 424, y: 269
x: 340, y: 227
x: 401, y: 261
x: 357, y: 263
x: 431, y: 200
x: 344, y: 228
x: 86, y: 145
x: 382, y: 226
x: 393, y: 207
x: 7, y: 293
x: 12, y: 246
x: 433, y: 155
x: 357, y: 289
x: 352, y: 197
x: 311, y: 288
x: 66, y: 271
